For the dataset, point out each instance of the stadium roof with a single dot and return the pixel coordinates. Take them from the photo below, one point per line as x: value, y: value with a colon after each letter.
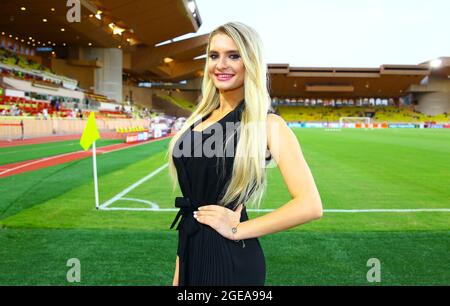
x: 388, y: 81
x: 175, y: 61
x: 443, y: 68
x: 147, y: 30
x: 145, y: 22
x: 152, y: 21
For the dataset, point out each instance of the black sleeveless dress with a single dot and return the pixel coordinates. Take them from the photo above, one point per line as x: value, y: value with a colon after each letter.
x: 206, y: 257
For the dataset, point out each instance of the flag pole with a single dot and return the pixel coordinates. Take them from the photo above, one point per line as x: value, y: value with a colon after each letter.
x: 94, y: 159
x: 88, y: 138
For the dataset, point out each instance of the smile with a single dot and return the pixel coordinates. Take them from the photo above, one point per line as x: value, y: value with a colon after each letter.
x: 224, y: 76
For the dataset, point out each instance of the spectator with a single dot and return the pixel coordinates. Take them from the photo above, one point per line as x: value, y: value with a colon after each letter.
x: 80, y: 114
x: 18, y: 112
x: 45, y: 113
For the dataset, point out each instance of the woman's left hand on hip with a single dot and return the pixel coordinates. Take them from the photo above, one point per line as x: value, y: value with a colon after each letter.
x: 219, y: 218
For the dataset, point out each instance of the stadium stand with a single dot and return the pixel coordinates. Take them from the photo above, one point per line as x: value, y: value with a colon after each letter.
x: 182, y: 103
x: 332, y: 114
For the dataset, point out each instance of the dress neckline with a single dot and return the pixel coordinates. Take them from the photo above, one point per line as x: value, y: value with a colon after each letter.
x: 240, y: 105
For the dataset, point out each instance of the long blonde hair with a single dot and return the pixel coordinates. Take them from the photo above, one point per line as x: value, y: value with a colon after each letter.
x: 248, y: 180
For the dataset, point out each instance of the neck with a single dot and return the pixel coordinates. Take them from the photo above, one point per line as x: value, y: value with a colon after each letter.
x: 229, y: 100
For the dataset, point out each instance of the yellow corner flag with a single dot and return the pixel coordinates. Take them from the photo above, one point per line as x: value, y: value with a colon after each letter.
x: 90, y: 133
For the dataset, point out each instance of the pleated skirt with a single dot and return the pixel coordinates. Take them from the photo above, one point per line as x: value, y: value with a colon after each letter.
x: 213, y: 260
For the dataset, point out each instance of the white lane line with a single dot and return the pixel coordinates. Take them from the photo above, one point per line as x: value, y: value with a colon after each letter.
x: 36, y: 162
x: 135, y: 185
x: 139, y: 144
x: 61, y: 155
x: 325, y: 210
x: 369, y: 210
x: 387, y: 210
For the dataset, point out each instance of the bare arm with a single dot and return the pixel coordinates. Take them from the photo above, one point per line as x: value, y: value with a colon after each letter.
x: 177, y: 268
x: 305, y: 204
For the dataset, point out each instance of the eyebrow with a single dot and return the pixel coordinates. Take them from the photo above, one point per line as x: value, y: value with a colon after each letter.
x: 227, y: 52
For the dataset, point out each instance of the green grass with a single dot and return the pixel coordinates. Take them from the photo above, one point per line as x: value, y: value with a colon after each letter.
x: 28, y: 189
x: 17, y: 154
x: 45, y: 222
x: 106, y: 256
x: 127, y: 257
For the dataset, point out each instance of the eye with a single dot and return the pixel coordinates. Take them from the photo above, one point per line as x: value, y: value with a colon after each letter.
x: 232, y: 56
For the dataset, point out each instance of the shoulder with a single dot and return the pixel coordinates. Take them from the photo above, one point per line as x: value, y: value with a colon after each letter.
x: 275, y: 121
x: 278, y: 132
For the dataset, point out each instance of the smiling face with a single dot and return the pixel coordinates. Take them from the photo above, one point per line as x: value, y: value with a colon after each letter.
x: 225, y: 65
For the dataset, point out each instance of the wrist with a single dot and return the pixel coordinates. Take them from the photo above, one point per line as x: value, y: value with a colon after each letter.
x: 237, y: 232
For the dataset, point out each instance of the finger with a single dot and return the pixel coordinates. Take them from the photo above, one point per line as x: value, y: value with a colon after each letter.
x: 206, y: 220
x: 239, y: 209
x: 207, y: 213
x: 211, y: 207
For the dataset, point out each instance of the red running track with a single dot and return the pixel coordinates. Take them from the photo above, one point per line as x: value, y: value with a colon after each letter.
x: 31, y: 165
x: 31, y: 141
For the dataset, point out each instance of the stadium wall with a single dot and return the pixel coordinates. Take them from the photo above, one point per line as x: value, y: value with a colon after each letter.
x: 84, y: 74
x: 433, y: 97
x: 42, y: 128
x: 434, y: 103
x: 108, y: 78
x: 140, y: 96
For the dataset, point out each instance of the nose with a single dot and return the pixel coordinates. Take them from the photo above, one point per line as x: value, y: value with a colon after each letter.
x: 222, y: 63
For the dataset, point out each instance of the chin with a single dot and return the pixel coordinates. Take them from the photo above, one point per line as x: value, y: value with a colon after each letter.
x: 224, y: 88
x: 221, y: 87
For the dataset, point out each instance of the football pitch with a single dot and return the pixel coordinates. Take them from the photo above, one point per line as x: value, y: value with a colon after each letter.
x: 386, y: 195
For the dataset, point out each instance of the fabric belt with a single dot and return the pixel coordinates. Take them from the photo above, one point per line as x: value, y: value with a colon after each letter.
x: 187, y: 226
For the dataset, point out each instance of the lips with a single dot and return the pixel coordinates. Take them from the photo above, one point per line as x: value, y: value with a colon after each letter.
x: 224, y: 76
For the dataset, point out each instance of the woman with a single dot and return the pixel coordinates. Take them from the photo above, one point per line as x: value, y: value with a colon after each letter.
x: 218, y: 244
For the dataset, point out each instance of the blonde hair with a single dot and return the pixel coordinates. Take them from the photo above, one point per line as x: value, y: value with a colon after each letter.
x: 248, y: 179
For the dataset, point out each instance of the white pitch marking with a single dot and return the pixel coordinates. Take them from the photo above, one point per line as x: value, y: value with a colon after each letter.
x: 387, y: 210
x: 151, y: 204
x: 325, y: 210
x: 136, y: 209
x: 135, y: 185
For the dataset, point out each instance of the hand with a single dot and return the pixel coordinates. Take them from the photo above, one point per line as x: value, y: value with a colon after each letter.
x: 219, y: 218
